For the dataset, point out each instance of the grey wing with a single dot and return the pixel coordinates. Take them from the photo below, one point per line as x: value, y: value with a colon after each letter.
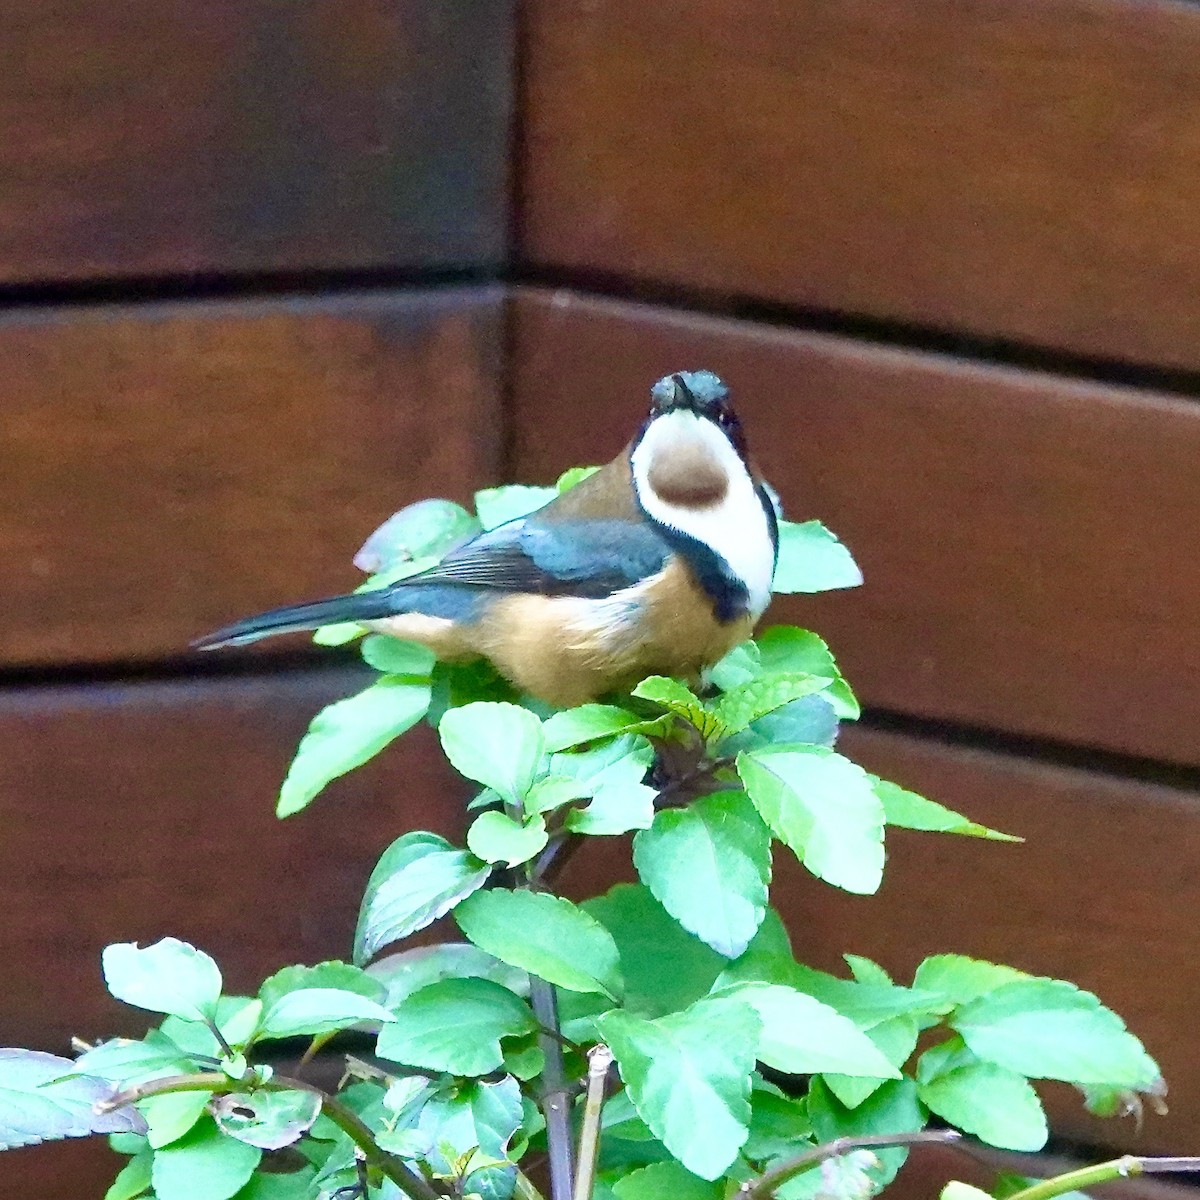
x: 588, y: 558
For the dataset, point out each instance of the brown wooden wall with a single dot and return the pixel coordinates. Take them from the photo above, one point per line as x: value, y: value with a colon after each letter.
x: 268, y: 273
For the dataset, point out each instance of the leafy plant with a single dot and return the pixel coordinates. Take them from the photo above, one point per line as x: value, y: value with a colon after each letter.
x: 658, y: 1041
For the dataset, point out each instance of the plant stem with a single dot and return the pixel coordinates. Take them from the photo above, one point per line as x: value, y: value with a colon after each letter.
x: 1118, y: 1168
x: 776, y: 1177
x: 600, y: 1059
x: 348, y: 1121
x: 556, y: 1095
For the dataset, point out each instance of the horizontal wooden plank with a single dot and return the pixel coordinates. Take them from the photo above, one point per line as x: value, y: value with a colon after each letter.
x: 135, y: 811
x: 170, y: 467
x: 1015, y: 170
x: 1024, y: 538
x: 252, y: 136
x: 1103, y: 892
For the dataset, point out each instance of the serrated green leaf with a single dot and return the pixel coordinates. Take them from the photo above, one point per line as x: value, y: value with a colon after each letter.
x: 349, y: 733
x: 680, y: 700
x: 802, y: 1036
x: 811, y: 559
x: 496, y: 838
x: 665, y: 1181
x: 168, y: 977
x: 895, y: 1039
x: 410, y: 970
x: 331, y: 974
x: 588, y: 723
x: 497, y: 744
x: 865, y: 970
x: 420, y: 878
x: 756, y: 698
x: 392, y: 656
x: 907, y: 810
x: 426, y: 528
x: 788, y: 649
x: 664, y: 967
x: 991, y: 1102
x: 268, y: 1119
x: 170, y: 1116
x: 42, y: 1099
x: 133, y: 1179
x: 312, y: 1011
x: 959, y: 979
x: 823, y: 807
x: 499, y: 505
x: 455, y: 1025
x: 616, y: 808
x: 688, y: 1075
x: 709, y: 865
x: 1050, y: 1029
x: 545, y: 935
x: 203, y: 1165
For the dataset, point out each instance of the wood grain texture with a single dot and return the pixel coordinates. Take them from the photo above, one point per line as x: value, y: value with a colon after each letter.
x: 168, y: 468
x: 154, y: 139
x: 1017, y: 170
x: 134, y: 811
x: 1103, y: 892
x: 1024, y: 538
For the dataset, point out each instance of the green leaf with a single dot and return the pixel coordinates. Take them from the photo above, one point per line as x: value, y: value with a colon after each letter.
x: 959, y: 979
x: 278, y: 1185
x: 41, y: 1099
x: 678, y: 699
x: 312, y: 1011
x: 573, y: 476
x: 1049, y: 1029
x: 865, y: 970
x: 811, y: 559
x: 754, y: 699
x: 133, y: 1179
x: 588, y: 723
x: 688, y: 1075
x: 779, y: 1123
x: 395, y: 657
x: 545, y: 935
x: 410, y: 970
x: 895, y: 1039
x: 349, y: 733
x: 956, y: 1190
x: 497, y: 744
x: 123, y: 1062
x: 709, y: 865
x: 168, y: 977
x: 551, y: 792
x: 477, y: 1117
x: 625, y: 759
x: 456, y: 1026
x: 616, y: 808
x: 203, y: 1165
x: 907, y: 810
x: 665, y: 1181
x: 823, y: 807
x: 992, y: 1102
x: 419, y: 878
x: 170, y: 1116
x: 270, y: 1120
x: 426, y: 528
x: 664, y: 967
x: 786, y: 648
x: 324, y: 975
x: 802, y: 1036
x: 499, y: 505
x: 497, y: 838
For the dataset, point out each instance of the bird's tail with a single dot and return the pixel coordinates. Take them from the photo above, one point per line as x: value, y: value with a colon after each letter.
x: 359, y: 606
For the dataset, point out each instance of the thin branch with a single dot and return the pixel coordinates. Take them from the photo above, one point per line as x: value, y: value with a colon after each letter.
x: 769, y: 1181
x: 1117, y: 1168
x: 348, y: 1121
x: 556, y: 1095
x: 600, y: 1059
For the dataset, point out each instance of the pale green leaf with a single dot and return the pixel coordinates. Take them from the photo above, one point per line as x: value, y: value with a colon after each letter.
x: 553, y: 791
x: 788, y: 649
x: 203, y: 1165
x: 170, y: 1116
x: 811, y: 559
x: 496, y: 838
x: 574, y: 476
x: 665, y: 1181
x: 499, y: 505
x: 907, y: 810
x: 615, y: 809
x: 425, y: 528
x: 133, y: 1179
x: 956, y: 1190
x: 895, y: 1039
x: 757, y: 698
x: 313, y: 1011
x: 395, y: 657
x: 588, y: 723
x: 410, y: 970
x: 993, y: 1103
x: 268, y: 1119
x: 959, y: 979
x: 497, y: 744
x: 324, y: 975
x: 168, y: 977
x: 676, y: 698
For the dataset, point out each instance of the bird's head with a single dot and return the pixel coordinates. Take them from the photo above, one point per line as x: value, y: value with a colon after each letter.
x: 701, y: 394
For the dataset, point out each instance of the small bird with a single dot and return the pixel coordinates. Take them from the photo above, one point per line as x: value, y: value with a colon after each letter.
x: 658, y: 563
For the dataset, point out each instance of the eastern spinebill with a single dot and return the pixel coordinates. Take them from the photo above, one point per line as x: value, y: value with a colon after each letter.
x: 658, y: 563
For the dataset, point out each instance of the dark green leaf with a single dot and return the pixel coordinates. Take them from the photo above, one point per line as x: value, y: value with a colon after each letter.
x: 349, y: 733
x: 665, y: 1181
x: 811, y: 559
x: 203, y: 1165
x: 497, y: 838
x: 497, y: 744
x: 420, y: 878
x: 823, y: 807
x: 1049, y: 1029
x: 664, y: 967
x: 278, y: 1185
x: 499, y: 505
x: 779, y: 1124
x: 588, y: 723
x: 35, y: 1108
x: 544, y: 935
x: 959, y: 979
x: 907, y: 810
x: 395, y: 657
x: 270, y: 1120
x: 332, y: 974
x: 992, y: 1102
x: 168, y: 977
x: 312, y: 1011
x: 411, y: 970
x: 709, y: 865
x: 456, y: 1026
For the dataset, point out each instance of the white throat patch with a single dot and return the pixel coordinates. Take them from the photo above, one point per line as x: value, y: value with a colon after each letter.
x: 736, y: 527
